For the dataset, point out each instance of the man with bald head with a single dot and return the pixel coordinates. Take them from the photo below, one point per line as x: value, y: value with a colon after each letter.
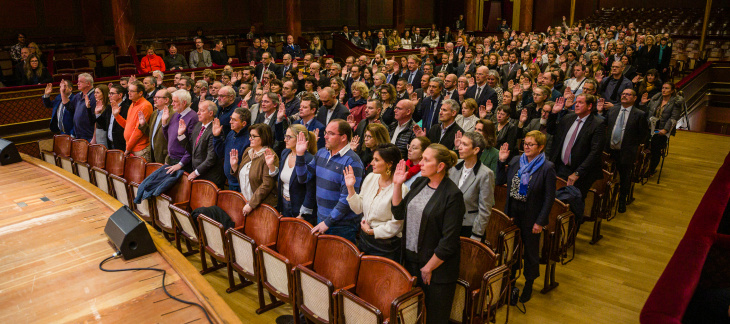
x: 450, y: 82
x: 228, y: 100
x: 481, y: 91
x: 401, y: 130
x: 331, y: 107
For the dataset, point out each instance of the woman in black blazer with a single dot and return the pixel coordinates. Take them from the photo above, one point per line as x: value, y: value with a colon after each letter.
x: 299, y: 198
x: 530, y: 178
x: 432, y: 212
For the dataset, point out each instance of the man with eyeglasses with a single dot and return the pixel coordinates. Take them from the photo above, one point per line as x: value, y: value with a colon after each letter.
x: 227, y: 102
x: 627, y: 128
x: 115, y: 131
x: 237, y: 138
x: 265, y: 66
x: 199, y: 57
x: 334, y: 215
x: 612, y: 87
x: 137, y: 142
x: 205, y: 162
x: 153, y: 129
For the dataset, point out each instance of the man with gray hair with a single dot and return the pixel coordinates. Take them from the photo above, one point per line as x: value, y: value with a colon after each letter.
x: 430, y: 106
x: 445, y: 132
x: 228, y: 100
x: 178, y: 156
x: 205, y: 163
x: 153, y: 128
x: 82, y: 106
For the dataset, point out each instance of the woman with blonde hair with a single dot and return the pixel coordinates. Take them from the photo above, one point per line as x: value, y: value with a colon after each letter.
x: 432, y: 213
x: 468, y: 118
x: 357, y: 103
x: 316, y: 48
x: 295, y: 199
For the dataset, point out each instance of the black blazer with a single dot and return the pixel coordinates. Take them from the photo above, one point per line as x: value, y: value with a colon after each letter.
x: 487, y: 94
x: 588, y: 146
x: 440, y: 227
x: 341, y: 112
x: 204, y: 158
x: 260, y: 68
x: 635, y: 132
x: 540, y: 190
x: 507, y: 75
x: 424, y: 109
x: 434, y: 135
x: 416, y: 78
x: 102, y: 122
x: 299, y: 193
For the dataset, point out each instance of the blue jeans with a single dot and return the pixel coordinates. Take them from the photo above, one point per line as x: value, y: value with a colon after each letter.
x: 285, y: 209
x: 347, y: 231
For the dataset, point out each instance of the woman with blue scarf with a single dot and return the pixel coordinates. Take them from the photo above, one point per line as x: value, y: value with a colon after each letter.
x: 531, y: 182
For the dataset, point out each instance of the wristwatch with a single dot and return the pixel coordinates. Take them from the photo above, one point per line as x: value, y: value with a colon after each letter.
x: 576, y: 174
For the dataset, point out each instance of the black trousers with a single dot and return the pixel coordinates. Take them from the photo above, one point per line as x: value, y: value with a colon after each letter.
x: 658, y: 143
x: 624, y: 172
x: 439, y: 296
x: 187, y: 168
x: 531, y: 242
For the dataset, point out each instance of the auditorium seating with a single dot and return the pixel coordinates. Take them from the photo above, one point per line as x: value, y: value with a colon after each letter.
x: 114, y: 165
x: 295, y: 245
x: 79, y: 149
x: 163, y: 214
x: 335, y: 266
x: 61, y: 147
x: 144, y: 209
x: 503, y: 237
x: 605, y: 195
x: 213, y: 239
x: 134, y: 170
x: 384, y: 291
x: 203, y: 193
x: 96, y: 158
x: 476, y: 260
x: 495, y: 289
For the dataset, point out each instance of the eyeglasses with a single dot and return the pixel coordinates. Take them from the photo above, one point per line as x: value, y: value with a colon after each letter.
x: 253, y: 136
x: 332, y: 134
x: 530, y: 145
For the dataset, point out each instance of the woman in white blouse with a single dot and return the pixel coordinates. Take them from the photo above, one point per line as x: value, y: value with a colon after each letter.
x: 468, y: 118
x: 406, y: 42
x: 380, y: 232
x: 257, y: 185
x: 432, y: 40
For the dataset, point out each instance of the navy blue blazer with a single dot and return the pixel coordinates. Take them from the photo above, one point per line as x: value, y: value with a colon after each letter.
x: 487, y: 94
x: 301, y: 194
x: 315, y: 124
x: 416, y: 82
x: 430, y: 117
x: 540, y: 190
x: 292, y: 50
x: 68, y: 117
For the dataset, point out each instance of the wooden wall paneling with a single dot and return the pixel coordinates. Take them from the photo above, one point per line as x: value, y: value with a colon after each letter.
x: 380, y: 13
x: 273, y: 14
x: 423, y: 13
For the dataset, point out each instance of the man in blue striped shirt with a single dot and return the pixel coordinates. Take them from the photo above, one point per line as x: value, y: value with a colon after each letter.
x: 334, y: 215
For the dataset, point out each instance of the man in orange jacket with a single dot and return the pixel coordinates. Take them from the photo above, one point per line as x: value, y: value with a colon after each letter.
x: 152, y: 61
x: 137, y: 142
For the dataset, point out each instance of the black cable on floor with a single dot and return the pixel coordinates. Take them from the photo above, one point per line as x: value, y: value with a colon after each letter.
x: 163, y: 282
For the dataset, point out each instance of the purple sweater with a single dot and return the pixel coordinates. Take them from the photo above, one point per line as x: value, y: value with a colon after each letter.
x: 174, y: 148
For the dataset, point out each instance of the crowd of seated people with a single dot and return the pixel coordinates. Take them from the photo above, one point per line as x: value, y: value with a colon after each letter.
x: 388, y: 145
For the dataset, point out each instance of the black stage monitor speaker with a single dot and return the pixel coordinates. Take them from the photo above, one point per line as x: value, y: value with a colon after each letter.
x: 8, y: 153
x: 129, y: 234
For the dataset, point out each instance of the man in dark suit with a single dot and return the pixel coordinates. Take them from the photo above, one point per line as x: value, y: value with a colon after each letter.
x: 627, y: 128
x: 413, y: 74
x: 62, y: 120
x: 445, y: 132
x: 467, y: 66
x: 450, y: 91
x: 206, y: 164
x: 355, y: 73
x: 158, y: 142
x: 430, y: 107
x: 390, y: 75
x: 266, y: 65
x: 331, y: 108
x: 577, y: 142
x: 446, y: 66
x: 291, y: 48
x: 481, y: 91
x: 509, y: 70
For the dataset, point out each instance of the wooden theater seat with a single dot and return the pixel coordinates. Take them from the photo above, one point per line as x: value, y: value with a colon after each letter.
x: 203, y: 193
x: 495, y: 291
x: 61, y: 147
x: 144, y: 209
x: 500, y: 197
x: 503, y: 237
x: 114, y: 165
x: 213, y: 240
x: 163, y: 215
x: 476, y: 260
x: 335, y: 266
x: 79, y: 150
x: 605, y: 195
x: 556, y: 240
x: 295, y: 245
x: 96, y: 157
x: 385, y: 293
x: 134, y: 171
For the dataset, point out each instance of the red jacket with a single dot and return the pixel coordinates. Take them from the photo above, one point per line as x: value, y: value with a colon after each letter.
x: 151, y: 64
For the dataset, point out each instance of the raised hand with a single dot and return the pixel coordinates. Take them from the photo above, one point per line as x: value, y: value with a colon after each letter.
x: 523, y: 116
x: 504, y: 152
x: 351, y: 121
x: 294, y: 64
x: 281, y: 112
x: 489, y: 106
x: 165, y: 117
x: 400, y: 174
x: 251, y: 64
x: 559, y: 104
x: 247, y: 97
x: 300, y: 75
x: 86, y: 99
x: 302, y: 144
x: 457, y: 139
x: 511, y: 84
x: 409, y: 88
x: 181, y: 127
x: 644, y: 98
x: 217, y: 128
x: 355, y: 142
x: 117, y: 108
x: 419, y: 131
x: 49, y: 89
x: 343, y: 93
x: 414, y: 97
x: 192, y: 75
x: 233, y: 157
x: 567, y: 92
x: 471, y: 82
x: 316, y: 135
x: 349, y: 176
x: 140, y: 118
x: 132, y: 78
x: 482, y: 112
x: 570, y: 100
x: 269, y: 157
x: 462, y: 92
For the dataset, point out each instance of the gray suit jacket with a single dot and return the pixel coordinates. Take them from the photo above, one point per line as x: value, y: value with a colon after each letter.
x: 478, y: 191
x: 159, y: 142
x: 204, y: 159
x: 195, y: 63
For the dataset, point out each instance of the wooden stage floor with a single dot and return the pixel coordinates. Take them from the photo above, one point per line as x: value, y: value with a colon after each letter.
x: 607, y: 282
x: 52, y: 240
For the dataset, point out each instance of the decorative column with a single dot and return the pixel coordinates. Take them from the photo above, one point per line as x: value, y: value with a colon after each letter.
x: 293, y: 18
x: 399, y: 15
x: 124, y: 31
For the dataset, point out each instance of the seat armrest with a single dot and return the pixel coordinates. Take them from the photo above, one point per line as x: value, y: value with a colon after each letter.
x: 183, y: 205
x: 343, y: 294
x: 399, y: 306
